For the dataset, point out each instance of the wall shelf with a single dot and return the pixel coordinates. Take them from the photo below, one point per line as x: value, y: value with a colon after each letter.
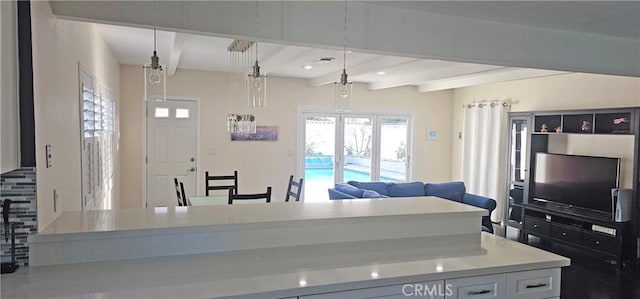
x: 597, y: 122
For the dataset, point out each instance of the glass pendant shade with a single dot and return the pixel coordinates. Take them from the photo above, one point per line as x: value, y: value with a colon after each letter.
x: 343, y: 96
x: 155, y: 82
x: 257, y: 91
x: 343, y: 93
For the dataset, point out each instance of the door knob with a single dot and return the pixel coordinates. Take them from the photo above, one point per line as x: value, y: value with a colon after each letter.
x: 192, y: 169
x: 193, y: 159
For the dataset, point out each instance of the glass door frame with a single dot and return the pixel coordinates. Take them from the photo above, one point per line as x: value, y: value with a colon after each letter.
x: 340, y: 141
x: 524, y: 184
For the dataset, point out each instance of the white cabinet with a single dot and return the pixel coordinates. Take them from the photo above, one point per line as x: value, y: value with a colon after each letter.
x: 535, y: 284
x: 431, y: 289
x: 487, y: 286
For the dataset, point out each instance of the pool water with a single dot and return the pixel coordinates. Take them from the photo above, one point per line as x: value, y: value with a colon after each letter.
x: 326, y: 174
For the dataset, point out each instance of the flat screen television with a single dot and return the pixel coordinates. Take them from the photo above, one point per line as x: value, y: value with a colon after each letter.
x: 579, y: 181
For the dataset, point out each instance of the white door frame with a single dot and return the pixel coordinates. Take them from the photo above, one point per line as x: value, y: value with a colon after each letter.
x: 145, y: 115
x: 375, y: 115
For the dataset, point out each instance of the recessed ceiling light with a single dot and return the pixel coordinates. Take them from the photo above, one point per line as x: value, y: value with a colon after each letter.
x: 307, y: 67
x: 322, y: 60
x: 349, y: 51
x: 380, y: 73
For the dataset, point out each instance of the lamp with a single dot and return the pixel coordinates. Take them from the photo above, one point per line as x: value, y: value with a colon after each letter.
x: 257, y: 84
x: 253, y: 87
x: 343, y: 86
x: 154, y: 74
x: 239, y: 60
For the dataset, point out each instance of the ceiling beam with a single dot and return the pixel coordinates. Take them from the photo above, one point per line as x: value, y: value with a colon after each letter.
x: 433, y: 74
x: 375, y: 64
x: 280, y: 57
x: 493, y: 76
x: 376, y: 28
x: 176, y: 51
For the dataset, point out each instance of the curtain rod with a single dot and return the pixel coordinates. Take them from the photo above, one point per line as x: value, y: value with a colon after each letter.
x: 505, y: 103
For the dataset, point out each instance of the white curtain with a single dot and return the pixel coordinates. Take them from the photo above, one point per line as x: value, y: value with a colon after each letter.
x: 484, y: 152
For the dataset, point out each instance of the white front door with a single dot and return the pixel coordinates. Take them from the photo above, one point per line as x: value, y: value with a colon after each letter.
x: 171, y: 150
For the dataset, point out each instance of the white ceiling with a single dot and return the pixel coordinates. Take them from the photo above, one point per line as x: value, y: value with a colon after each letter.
x: 199, y: 52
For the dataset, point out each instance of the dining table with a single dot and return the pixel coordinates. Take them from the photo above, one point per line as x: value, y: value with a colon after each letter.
x: 219, y: 200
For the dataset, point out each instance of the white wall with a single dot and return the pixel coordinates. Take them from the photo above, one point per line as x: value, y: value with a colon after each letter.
x: 9, y: 151
x: 562, y: 92
x: 58, y: 47
x: 263, y: 164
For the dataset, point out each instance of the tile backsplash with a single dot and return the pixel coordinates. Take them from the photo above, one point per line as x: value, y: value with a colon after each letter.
x: 19, y: 186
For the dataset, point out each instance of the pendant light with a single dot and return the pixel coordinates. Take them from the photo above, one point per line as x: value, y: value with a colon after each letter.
x: 343, y: 86
x: 239, y: 87
x: 154, y: 74
x: 257, y: 83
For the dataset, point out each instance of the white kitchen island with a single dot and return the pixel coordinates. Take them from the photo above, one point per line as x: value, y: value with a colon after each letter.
x: 420, y: 242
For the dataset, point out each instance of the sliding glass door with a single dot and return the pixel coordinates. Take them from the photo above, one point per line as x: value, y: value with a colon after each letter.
x: 353, y: 147
x: 394, y: 146
x: 357, y: 137
x: 319, y: 154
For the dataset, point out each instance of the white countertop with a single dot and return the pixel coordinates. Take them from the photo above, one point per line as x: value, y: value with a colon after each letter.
x: 275, y: 272
x: 142, y: 219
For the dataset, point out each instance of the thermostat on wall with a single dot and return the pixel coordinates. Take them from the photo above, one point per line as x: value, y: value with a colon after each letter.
x: 432, y: 134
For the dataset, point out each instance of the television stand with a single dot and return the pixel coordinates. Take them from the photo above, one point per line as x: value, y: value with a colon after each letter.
x: 573, y: 210
x: 591, y: 231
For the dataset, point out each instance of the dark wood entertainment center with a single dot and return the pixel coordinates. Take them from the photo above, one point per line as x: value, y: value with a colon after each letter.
x: 593, y: 232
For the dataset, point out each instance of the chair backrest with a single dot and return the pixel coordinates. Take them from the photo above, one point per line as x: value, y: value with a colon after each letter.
x: 185, y: 200
x: 209, y: 187
x: 175, y: 181
x: 234, y: 196
x: 295, y: 194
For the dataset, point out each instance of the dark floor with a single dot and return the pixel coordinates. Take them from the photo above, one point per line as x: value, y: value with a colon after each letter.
x: 587, y: 278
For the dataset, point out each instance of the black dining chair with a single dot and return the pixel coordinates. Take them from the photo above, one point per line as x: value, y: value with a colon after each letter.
x: 209, y: 187
x: 175, y: 181
x: 186, y: 201
x: 298, y: 189
x: 234, y: 196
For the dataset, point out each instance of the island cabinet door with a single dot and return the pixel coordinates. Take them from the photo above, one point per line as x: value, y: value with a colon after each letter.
x: 486, y: 286
x: 431, y: 289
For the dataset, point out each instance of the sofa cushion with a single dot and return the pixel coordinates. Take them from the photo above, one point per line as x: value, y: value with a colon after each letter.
x: 348, y: 189
x: 371, y: 194
x: 406, y: 189
x: 452, y: 191
x: 379, y: 187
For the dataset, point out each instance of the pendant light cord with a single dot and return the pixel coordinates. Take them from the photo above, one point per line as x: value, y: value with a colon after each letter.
x: 155, y: 24
x: 257, y: 30
x: 344, y: 58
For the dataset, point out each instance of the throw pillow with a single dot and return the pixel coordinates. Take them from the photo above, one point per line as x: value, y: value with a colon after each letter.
x: 348, y: 189
x: 379, y: 187
x: 371, y: 194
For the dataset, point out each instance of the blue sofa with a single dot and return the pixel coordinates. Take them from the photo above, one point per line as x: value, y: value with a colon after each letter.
x: 455, y: 191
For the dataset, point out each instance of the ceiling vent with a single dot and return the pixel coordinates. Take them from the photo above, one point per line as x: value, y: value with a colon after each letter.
x: 323, y: 60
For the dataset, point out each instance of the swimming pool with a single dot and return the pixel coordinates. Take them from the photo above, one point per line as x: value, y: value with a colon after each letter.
x: 326, y: 174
